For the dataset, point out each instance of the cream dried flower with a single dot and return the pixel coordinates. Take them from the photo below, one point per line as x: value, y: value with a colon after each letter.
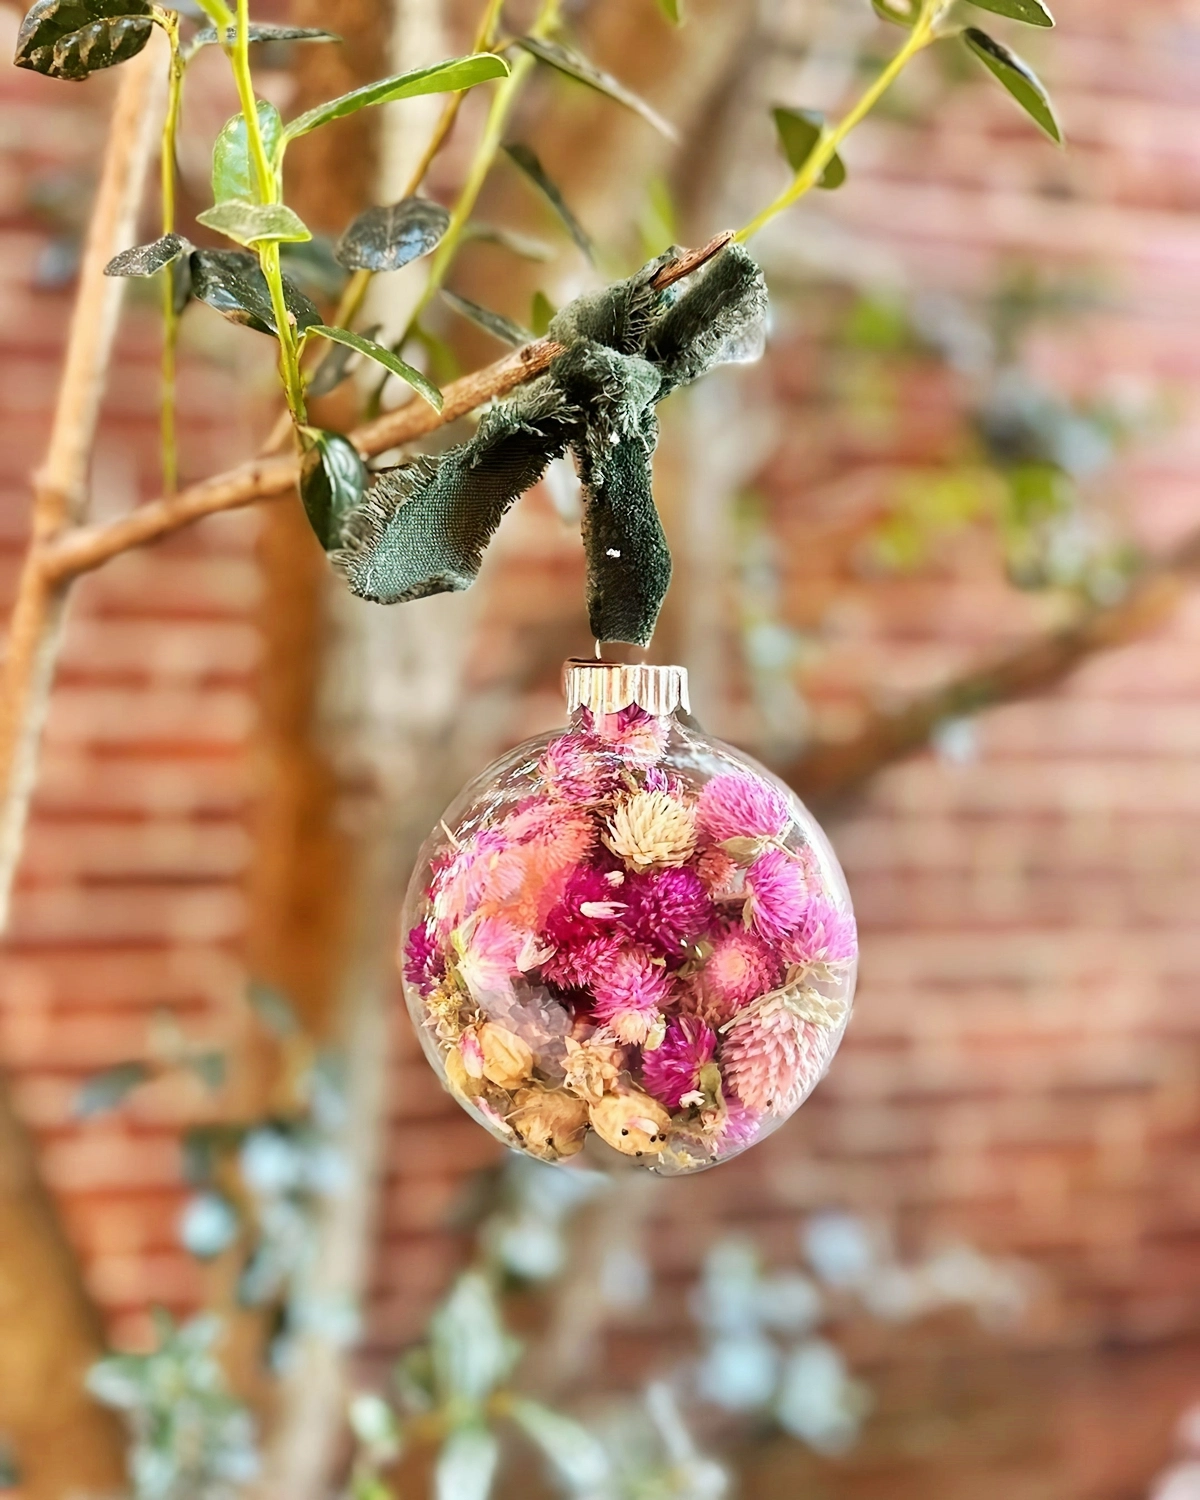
x: 592, y: 1068
x: 652, y: 828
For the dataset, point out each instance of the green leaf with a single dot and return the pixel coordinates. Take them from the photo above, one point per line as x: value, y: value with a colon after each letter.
x: 495, y: 323
x: 391, y: 235
x: 799, y: 131
x: 232, y: 282
x: 898, y: 12
x: 447, y: 77
x: 335, y: 365
x: 570, y: 62
x: 255, y: 223
x: 541, y: 314
x: 1017, y: 77
x: 384, y: 357
x: 1032, y: 12
x: 105, y: 1091
x: 148, y: 260
x: 233, y: 174
x: 578, y: 1458
x: 472, y: 1354
x: 73, y: 38
x: 522, y: 157
x: 673, y: 10
x: 265, y: 31
x: 332, y: 480
x: 466, y: 1466
x: 524, y: 245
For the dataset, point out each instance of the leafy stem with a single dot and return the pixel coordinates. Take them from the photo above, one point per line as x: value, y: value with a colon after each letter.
x: 170, y: 452
x: 267, y: 183
x: 922, y: 32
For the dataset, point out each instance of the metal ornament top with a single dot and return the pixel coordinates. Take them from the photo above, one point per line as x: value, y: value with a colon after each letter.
x: 606, y: 687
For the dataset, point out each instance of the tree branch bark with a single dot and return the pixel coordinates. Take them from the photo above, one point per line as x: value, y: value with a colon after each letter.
x: 831, y: 770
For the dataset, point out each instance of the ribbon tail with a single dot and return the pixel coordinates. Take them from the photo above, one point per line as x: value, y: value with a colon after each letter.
x: 628, y: 561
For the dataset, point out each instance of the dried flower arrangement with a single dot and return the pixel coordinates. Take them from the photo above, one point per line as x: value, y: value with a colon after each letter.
x: 631, y: 935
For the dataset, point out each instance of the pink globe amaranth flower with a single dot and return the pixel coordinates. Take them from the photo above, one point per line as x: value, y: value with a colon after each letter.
x: 548, y: 841
x: 673, y: 1069
x: 737, y: 804
x: 575, y: 967
x: 424, y: 962
x: 719, y: 871
x: 776, y: 894
x: 771, y: 1058
x: 741, y: 967
x: 591, y: 906
x: 489, y: 962
x: 665, y: 909
x: 579, y: 769
x: 637, y: 737
x: 478, y: 871
x: 630, y: 991
x: 825, y: 935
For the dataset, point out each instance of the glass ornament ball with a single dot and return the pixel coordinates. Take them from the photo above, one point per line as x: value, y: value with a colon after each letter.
x: 626, y: 943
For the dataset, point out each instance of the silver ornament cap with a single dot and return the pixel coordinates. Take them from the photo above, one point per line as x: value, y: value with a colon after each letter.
x: 606, y: 687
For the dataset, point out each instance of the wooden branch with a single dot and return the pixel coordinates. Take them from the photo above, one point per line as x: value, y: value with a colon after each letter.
x: 82, y: 548
x: 831, y: 770
x: 60, y: 485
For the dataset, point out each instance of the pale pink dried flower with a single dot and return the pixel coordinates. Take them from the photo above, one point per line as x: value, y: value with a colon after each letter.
x: 488, y: 964
x: 737, y: 804
x: 740, y: 1127
x: 580, y: 769
x: 630, y: 990
x: 477, y: 872
x: 637, y: 737
x: 771, y: 1058
x: 740, y: 968
x: 719, y: 871
x: 776, y: 894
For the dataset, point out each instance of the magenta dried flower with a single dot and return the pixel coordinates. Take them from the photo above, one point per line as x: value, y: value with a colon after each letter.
x: 666, y: 909
x: 673, y: 1069
x: 825, y: 936
x: 740, y: 968
x: 737, y: 805
x: 630, y: 990
x: 590, y: 907
x: 740, y: 1126
x: 424, y: 963
x: 776, y: 894
x: 637, y: 737
x: 579, y: 769
x: 575, y: 966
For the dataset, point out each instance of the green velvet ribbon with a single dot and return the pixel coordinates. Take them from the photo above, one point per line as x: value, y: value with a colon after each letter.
x: 422, y: 527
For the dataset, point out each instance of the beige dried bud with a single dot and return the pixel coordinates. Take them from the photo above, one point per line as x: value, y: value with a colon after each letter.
x: 507, y: 1058
x: 631, y: 1122
x: 591, y: 1068
x: 550, y: 1122
x: 652, y: 828
x: 459, y: 1076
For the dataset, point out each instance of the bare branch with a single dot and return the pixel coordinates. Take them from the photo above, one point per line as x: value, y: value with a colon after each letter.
x: 831, y: 770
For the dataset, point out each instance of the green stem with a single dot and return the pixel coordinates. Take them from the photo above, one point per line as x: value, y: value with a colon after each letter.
x: 170, y: 451
x: 267, y: 181
x: 825, y: 150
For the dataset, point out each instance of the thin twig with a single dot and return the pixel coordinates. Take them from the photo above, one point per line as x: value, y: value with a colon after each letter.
x: 83, y: 548
x: 60, y: 485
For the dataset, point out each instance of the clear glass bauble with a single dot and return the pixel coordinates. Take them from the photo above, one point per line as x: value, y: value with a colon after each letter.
x: 627, y: 943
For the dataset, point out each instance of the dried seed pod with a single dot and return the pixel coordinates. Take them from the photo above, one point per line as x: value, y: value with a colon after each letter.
x: 507, y: 1058
x: 550, y: 1122
x: 632, y: 1122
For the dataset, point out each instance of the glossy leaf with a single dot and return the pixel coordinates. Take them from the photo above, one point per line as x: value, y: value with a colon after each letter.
x: 105, y: 1091
x: 74, y: 38
x: 332, y: 480
x: 148, y: 260
x: 383, y: 356
x: 570, y: 62
x: 524, y: 245
x: 799, y: 131
x: 335, y: 366
x: 673, y: 10
x: 255, y: 223
x: 447, y: 77
x: 233, y: 174
x: 231, y: 282
x: 577, y: 1457
x: 528, y: 162
x: 265, y: 31
x: 1017, y: 77
x: 898, y: 12
x: 466, y: 1466
x: 391, y: 235
x: 541, y: 314
x: 1032, y: 12
x: 495, y: 323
